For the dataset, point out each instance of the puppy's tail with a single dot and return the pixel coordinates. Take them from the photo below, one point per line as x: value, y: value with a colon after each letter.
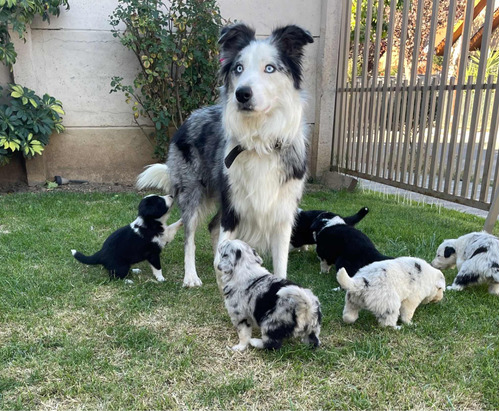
x: 91, y: 259
x: 356, y: 218
x: 308, y: 310
x: 154, y: 176
x: 346, y: 282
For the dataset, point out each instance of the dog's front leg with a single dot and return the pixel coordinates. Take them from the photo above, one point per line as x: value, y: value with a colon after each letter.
x: 279, y: 249
x: 171, y: 231
x: 244, y: 334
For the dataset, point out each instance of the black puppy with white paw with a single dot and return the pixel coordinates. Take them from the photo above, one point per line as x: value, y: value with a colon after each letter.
x: 303, y: 235
x: 141, y: 240
x: 339, y: 243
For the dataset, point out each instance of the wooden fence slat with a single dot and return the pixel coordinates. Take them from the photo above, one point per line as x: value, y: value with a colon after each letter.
x: 464, y: 55
x: 488, y: 20
x: 441, y: 97
x: 429, y: 143
x: 482, y: 139
x: 490, y: 151
x: 414, y: 131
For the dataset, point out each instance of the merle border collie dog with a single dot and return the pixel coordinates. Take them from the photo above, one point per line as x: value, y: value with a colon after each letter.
x: 141, y: 240
x: 246, y: 154
x: 341, y: 244
x: 302, y: 235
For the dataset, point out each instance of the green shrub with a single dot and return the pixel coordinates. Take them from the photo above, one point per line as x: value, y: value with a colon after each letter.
x: 27, y: 122
x: 176, y: 48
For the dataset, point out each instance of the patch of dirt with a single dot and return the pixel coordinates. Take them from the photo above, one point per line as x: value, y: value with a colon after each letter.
x: 75, y: 188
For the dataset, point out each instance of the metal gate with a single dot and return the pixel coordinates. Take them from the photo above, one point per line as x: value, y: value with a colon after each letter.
x: 417, y: 120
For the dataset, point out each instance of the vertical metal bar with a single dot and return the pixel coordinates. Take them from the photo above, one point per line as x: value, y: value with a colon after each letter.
x: 354, y: 142
x: 490, y: 151
x: 374, y: 106
x: 387, y: 76
x: 485, y: 42
x: 414, y: 145
x: 432, y: 107
x: 339, y: 135
x: 399, y: 173
x: 493, y: 213
x: 449, y: 104
x: 469, y: 16
x: 363, y: 94
x: 399, y: 78
x: 480, y: 147
x: 463, y: 136
x: 390, y: 138
x: 410, y: 114
x: 442, y: 91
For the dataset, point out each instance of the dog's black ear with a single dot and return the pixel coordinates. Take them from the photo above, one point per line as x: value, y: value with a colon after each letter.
x: 238, y: 255
x: 232, y: 40
x: 318, y: 223
x: 448, y: 251
x: 290, y: 41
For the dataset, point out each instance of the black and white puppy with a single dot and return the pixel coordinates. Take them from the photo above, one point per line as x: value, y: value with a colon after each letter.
x: 476, y: 258
x: 391, y: 289
x: 302, y: 235
x: 141, y: 240
x: 255, y: 298
x: 339, y: 243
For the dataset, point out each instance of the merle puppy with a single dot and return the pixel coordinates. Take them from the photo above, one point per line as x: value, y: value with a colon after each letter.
x: 341, y: 244
x: 302, y: 235
x: 143, y: 239
x: 256, y: 299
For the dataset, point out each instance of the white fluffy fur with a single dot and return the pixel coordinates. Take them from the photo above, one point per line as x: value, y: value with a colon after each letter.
x: 483, y: 266
x: 391, y: 289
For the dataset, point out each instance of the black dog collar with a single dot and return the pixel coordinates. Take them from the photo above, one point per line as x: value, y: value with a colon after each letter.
x: 235, y: 152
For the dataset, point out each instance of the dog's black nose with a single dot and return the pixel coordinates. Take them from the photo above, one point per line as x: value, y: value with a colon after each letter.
x: 243, y: 94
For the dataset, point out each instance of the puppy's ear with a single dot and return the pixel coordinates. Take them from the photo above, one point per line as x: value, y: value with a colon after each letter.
x: 257, y: 257
x: 448, y: 251
x: 318, y: 223
x: 152, y: 207
x: 290, y: 41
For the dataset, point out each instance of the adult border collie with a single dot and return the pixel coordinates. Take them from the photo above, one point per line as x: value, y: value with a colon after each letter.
x: 247, y: 153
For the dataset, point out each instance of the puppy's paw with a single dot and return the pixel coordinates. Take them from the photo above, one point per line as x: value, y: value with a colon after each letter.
x: 396, y: 327
x: 136, y: 270
x: 127, y: 281
x: 256, y: 342
x: 239, y: 347
x: 337, y: 289
x: 455, y: 287
x: 160, y: 279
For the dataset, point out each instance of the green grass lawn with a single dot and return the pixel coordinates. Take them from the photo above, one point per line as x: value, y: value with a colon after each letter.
x: 73, y: 339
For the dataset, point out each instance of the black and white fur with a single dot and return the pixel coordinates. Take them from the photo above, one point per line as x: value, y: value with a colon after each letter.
x: 246, y: 154
x: 302, y: 235
x: 339, y: 243
x: 476, y: 257
x: 256, y: 299
x: 141, y: 240
x: 391, y: 289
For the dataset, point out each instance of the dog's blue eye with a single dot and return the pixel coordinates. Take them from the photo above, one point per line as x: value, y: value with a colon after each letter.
x: 270, y: 68
x: 239, y: 68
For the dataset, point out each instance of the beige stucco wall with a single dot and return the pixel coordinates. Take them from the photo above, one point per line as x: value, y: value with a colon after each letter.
x: 74, y: 59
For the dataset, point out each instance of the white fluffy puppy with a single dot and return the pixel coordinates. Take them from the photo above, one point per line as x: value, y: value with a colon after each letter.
x: 255, y: 298
x: 476, y: 258
x: 391, y: 289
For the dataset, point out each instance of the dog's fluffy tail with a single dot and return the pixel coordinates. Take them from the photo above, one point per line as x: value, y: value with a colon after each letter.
x: 91, y: 259
x: 154, y: 176
x: 346, y: 282
x: 308, y: 309
x: 356, y: 218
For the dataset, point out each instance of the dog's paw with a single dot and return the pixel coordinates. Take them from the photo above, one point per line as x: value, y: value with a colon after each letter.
x: 192, y: 282
x: 239, y: 347
x: 257, y: 343
x: 397, y: 327
x: 455, y: 287
x: 337, y: 289
x: 136, y: 270
x: 127, y: 281
x: 160, y: 279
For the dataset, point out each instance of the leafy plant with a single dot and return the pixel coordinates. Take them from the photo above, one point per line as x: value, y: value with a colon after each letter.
x: 176, y: 47
x: 17, y: 14
x: 492, y: 61
x: 27, y: 121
